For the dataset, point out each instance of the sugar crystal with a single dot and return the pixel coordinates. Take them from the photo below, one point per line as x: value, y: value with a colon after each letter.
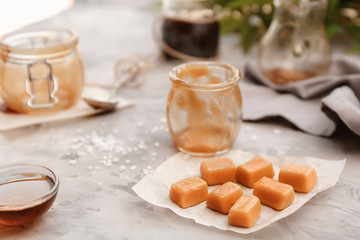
x: 277, y: 131
x: 72, y: 162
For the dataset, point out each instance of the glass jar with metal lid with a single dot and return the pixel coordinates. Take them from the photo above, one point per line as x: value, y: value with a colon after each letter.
x: 41, y: 70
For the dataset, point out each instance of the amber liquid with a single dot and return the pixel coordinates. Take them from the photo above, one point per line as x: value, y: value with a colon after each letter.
x: 281, y: 76
x: 204, y: 139
x: 22, y: 192
x: 195, y: 39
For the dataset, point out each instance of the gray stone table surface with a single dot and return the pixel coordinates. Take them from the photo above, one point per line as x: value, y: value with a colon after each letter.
x: 100, y: 158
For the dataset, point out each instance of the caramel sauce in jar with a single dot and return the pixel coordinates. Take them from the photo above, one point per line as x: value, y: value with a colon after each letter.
x: 204, y: 109
x: 197, y: 38
x: 41, y: 70
x: 189, y: 29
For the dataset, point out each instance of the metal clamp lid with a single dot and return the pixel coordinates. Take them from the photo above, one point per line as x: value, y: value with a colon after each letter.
x: 39, y: 86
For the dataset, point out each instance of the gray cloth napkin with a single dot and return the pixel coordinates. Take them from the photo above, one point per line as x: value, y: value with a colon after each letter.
x: 314, y: 105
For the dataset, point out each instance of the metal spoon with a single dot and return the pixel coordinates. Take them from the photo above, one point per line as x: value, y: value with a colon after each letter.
x: 125, y: 72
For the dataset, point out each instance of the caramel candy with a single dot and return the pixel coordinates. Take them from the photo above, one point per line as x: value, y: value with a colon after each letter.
x: 218, y: 171
x: 189, y: 192
x: 301, y: 178
x: 223, y: 197
x: 245, y: 211
x: 274, y: 194
x: 253, y: 170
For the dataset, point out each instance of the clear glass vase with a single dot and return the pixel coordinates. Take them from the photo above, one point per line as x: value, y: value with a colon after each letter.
x: 295, y: 47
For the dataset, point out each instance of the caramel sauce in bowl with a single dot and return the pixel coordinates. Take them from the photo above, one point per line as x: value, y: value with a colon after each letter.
x: 26, y: 193
x: 204, y: 108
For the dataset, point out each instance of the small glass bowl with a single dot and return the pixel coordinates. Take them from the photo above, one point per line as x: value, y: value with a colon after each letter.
x: 26, y: 193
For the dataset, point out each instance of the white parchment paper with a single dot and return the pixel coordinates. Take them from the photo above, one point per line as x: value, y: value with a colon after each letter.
x: 80, y: 109
x: 154, y: 188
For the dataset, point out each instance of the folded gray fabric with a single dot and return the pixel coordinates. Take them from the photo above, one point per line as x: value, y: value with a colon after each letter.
x: 302, y: 103
x: 344, y: 102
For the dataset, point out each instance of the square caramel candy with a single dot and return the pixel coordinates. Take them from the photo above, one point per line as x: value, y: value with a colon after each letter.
x: 245, y: 211
x: 253, y: 170
x: 189, y: 192
x: 223, y: 197
x: 218, y: 171
x: 274, y: 194
x: 301, y: 178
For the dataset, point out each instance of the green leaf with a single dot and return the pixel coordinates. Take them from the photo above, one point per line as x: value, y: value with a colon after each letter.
x: 236, y: 4
x: 354, y: 32
x: 222, y: 2
x: 229, y: 25
x: 333, y: 5
x: 332, y: 29
x: 249, y: 34
x: 355, y: 49
x: 335, y: 21
x: 156, y: 4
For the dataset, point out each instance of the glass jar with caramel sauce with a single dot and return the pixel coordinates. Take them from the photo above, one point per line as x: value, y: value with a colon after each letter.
x: 190, y: 29
x: 204, y: 109
x: 41, y: 70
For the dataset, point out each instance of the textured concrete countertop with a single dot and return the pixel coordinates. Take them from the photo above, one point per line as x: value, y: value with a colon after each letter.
x: 100, y: 158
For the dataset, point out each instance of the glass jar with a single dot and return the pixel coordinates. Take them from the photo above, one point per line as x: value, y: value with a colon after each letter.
x: 295, y: 47
x: 204, y: 109
x: 41, y: 70
x: 190, y: 28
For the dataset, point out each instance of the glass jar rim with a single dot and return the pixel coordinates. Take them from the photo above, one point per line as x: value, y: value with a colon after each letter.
x: 168, y: 4
x: 15, y: 168
x: 54, y: 41
x: 230, y: 82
